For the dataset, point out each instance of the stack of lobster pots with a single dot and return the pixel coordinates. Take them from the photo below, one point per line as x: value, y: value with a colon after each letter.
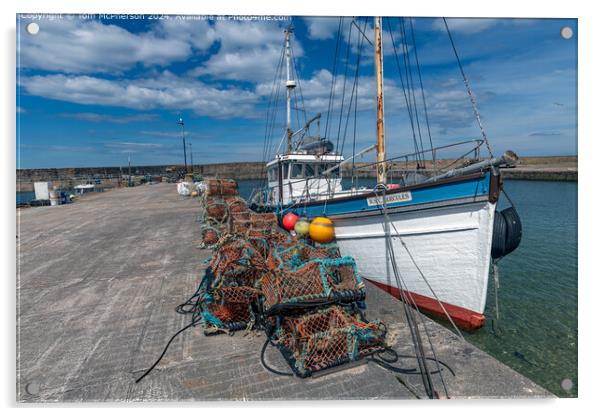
x: 304, y: 295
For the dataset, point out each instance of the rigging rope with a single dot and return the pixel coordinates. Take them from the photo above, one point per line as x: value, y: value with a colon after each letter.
x: 496, y: 287
x: 273, y: 108
x: 333, y: 79
x: 344, y: 86
x: 354, y: 94
x: 403, y: 87
x: 413, y: 326
x: 473, y: 100
x: 409, y: 76
x: 296, y: 75
x: 426, y: 116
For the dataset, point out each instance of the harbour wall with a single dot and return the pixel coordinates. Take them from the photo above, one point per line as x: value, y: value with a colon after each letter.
x: 553, y: 168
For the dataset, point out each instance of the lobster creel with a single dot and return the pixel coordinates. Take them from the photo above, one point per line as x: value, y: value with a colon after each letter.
x: 325, y: 338
x: 303, y: 294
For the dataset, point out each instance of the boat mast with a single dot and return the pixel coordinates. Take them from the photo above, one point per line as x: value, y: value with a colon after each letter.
x: 290, y: 85
x: 381, y: 168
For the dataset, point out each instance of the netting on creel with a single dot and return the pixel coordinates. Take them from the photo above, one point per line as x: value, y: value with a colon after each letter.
x: 259, y: 276
x: 236, y: 204
x: 317, y: 281
x: 325, y: 338
x: 221, y: 187
x: 251, y: 224
x: 294, y: 255
x: 219, y: 201
x: 229, y: 308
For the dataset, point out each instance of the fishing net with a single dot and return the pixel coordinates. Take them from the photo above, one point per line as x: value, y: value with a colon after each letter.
x: 315, y: 282
x: 251, y: 224
x: 294, y: 255
x: 216, y: 210
x: 221, y: 187
x: 229, y: 308
x: 210, y: 236
x: 237, y: 262
x: 326, y: 338
x: 236, y: 204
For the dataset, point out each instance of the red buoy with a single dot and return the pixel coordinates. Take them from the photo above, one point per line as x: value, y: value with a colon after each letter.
x: 289, y: 220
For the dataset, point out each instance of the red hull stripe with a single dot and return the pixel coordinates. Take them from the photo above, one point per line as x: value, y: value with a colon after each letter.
x: 464, y: 318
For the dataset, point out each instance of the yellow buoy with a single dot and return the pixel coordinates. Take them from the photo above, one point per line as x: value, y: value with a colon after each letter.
x: 321, y: 230
x: 302, y: 227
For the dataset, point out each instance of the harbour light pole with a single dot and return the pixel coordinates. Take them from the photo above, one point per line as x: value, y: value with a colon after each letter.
x: 129, y: 169
x: 181, y: 123
x: 191, y: 161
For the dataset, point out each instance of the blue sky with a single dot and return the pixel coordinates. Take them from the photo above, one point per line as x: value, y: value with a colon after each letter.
x: 90, y: 92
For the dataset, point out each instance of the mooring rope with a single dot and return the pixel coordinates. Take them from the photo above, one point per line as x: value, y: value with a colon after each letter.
x: 413, y: 326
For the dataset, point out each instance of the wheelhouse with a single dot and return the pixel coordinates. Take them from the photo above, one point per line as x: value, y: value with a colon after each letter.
x: 293, y: 177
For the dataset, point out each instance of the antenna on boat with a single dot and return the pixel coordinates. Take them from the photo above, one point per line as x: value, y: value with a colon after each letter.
x: 381, y: 168
x: 290, y: 86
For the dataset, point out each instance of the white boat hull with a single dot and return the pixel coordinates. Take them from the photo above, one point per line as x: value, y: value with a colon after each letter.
x: 450, y: 245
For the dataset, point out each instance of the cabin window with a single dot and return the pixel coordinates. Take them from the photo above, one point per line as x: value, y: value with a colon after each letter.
x: 297, y: 171
x: 309, y: 171
x: 285, y: 171
x: 324, y: 167
x: 272, y: 175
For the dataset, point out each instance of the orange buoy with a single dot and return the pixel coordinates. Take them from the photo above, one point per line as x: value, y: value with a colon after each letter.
x: 289, y: 220
x: 302, y: 227
x: 321, y: 230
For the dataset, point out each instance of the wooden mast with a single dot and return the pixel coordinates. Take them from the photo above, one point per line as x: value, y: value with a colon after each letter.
x: 381, y: 168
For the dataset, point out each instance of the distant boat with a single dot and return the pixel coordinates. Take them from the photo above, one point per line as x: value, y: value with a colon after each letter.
x: 443, y: 229
x: 84, y: 188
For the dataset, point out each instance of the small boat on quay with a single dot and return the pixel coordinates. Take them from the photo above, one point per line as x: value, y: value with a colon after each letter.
x: 84, y: 188
x: 438, y: 228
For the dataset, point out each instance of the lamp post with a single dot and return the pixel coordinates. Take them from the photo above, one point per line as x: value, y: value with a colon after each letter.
x: 129, y: 169
x: 191, y: 162
x: 181, y: 123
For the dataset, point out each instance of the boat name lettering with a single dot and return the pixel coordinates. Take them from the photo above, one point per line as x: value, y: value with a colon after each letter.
x: 391, y: 198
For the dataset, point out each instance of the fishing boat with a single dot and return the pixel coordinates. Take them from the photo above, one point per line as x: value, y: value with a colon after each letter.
x: 437, y: 229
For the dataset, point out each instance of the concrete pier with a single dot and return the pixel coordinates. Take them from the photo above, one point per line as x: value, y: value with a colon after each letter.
x: 98, y: 281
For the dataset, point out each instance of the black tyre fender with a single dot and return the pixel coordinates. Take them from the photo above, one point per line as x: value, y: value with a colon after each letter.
x: 498, y: 241
x: 514, y: 229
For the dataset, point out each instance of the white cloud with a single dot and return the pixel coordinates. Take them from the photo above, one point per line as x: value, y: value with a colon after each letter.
x: 109, y: 118
x: 167, y: 134
x: 198, y: 33
x: 78, y: 46
x: 134, y: 147
x: 449, y: 109
x: 321, y: 28
x: 465, y: 25
x: 316, y: 92
x: 166, y: 91
x: 248, y: 51
x: 251, y: 64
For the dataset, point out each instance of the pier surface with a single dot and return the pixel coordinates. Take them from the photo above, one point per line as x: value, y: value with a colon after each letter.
x: 97, y: 286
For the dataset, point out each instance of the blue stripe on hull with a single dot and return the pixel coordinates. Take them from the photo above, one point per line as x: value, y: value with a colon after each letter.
x: 469, y: 188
